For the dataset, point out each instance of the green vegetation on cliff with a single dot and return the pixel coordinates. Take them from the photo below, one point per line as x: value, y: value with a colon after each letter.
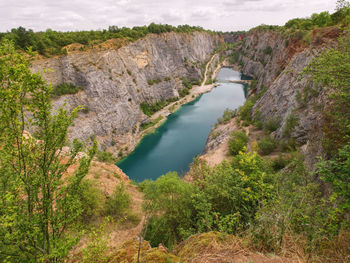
x: 52, y: 42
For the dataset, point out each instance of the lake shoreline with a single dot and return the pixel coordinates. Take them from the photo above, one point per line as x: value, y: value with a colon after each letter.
x: 183, y: 132
x: 173, y: 107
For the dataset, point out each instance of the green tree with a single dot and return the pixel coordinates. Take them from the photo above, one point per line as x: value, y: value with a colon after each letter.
x: 332, y: 70
x: 341, y: 4
x: 237, y: 142
x: 37, y: 204
x: 336, y: 172
x: 168, y: 202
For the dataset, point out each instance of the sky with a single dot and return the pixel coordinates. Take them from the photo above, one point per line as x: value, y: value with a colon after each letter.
x: 221, y: 15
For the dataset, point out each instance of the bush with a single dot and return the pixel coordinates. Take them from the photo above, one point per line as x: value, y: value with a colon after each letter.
x: 238, y: 140
x: 91, y: 200
x: 153, y: 81
x: 297, y: 212
x: 267, y: 145
x: 150, y: 108
x: 186, y: 83
x: 146, y: 125
x: 64, y: 89
x: 268, y: 50
x: 280, y: 162
x: 168, y: 200
x: 336, y: 172
x: 118, y: 203
x: 227, y: 116
x: 183, y: 92
x: 288, y: 145
x: 291, y: 123
x: 106, y: 157
x: 272, y: 124
x: 245, y: 111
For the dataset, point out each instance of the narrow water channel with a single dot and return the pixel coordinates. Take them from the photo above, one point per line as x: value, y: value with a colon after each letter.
x: 174, y: 144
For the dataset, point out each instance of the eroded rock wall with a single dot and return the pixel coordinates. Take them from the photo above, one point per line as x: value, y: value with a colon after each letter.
x: 276, y: 61
x: 116, y: 81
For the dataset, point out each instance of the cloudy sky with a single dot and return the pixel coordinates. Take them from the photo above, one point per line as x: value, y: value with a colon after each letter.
x: 225, y: 15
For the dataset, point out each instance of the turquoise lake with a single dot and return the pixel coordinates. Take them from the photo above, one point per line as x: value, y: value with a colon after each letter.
x: 182, y: 136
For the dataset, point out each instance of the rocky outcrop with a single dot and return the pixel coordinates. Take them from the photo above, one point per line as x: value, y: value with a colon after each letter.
x: 275, y: 62
x: 116, y: 81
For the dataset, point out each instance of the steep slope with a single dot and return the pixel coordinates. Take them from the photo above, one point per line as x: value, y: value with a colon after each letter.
x: 275, y: 61
x: 116, y: 81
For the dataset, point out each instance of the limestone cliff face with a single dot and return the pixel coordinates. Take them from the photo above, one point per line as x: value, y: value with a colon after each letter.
x: 116, y: 81
x: 276, y: 62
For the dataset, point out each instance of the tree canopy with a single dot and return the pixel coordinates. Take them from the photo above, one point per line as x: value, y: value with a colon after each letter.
x: 37, y: 199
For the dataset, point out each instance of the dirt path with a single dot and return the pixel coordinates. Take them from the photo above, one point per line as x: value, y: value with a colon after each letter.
x: 206, y: 70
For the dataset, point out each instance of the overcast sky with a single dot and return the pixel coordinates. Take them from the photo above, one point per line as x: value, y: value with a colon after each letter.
x: 225, y: 15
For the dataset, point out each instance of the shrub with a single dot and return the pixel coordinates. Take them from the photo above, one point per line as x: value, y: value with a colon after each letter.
x: 118, y: 203
x: 238, y: 140
x: 272, y: 124
x: 291, y: 123
x: 288, y: 145
x: 267, y: 145
x: 104, y: 156
x: 336, y: 172
x: 186, y: 83
x: 297, y: 210
x: 280, y: 162
x: 245, y: 111
x: 146, y: 125
x: 183, y: 92
x: 227, y: 116
x: 64, y: 89
x: 153, y: 81
x: 96, y: 250
x: 168, y: 201
x: 253, y: 84
x: 150, y: 108
x: 234, y: 57
x: 268, y: 50
x: 91, y: 199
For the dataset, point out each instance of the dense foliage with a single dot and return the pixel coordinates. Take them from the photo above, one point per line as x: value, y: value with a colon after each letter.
x: 278, y: 204
x: 237, y: 142
x: 52, y: 42
x: 64, y: 89
x: 118, y: 203
x: 340, y: 17
x: 150, y: 108
x: 37, y: 205
x: 225, y: 198
x: 332, y: 69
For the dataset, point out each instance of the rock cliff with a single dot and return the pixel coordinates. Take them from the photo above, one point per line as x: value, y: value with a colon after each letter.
x: 275, y: 61
x: 115, y: 82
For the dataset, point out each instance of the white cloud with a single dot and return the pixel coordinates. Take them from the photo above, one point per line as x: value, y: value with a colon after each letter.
x: 91, y: 14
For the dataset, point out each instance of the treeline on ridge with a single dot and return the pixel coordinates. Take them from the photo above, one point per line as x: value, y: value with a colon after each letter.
x: 51, y: 42
x: 323, y: 19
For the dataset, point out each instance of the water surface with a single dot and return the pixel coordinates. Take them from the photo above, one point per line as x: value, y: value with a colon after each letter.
x: 175, y: 143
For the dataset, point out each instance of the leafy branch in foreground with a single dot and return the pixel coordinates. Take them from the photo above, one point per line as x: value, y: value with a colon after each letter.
x: 37, y: 199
